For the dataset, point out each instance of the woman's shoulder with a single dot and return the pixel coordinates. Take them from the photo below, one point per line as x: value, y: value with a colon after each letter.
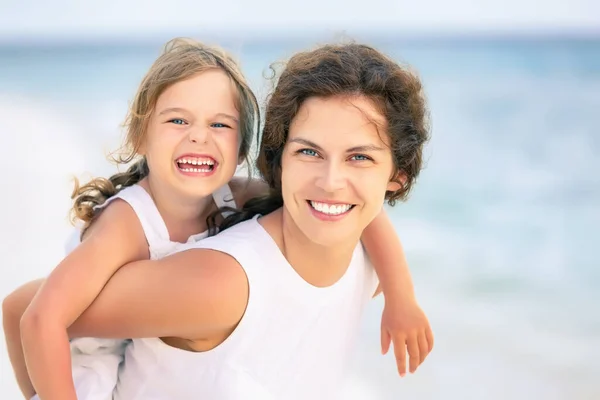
x: 243, y: 231
x: 242, y: 244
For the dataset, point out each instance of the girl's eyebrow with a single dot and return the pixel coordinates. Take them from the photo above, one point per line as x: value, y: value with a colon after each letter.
x: 183, y: 110
x: 173, y: 109
x: 228, y: 116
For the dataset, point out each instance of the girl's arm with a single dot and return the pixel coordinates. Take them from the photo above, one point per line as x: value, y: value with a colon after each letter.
x: 387, y: 256
x: 13, y: 308
x: 403, y: 321
x: 190, y: 294
x: 113, y: 240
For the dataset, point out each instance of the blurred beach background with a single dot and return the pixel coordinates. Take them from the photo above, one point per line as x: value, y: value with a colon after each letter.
x: 502, y: 227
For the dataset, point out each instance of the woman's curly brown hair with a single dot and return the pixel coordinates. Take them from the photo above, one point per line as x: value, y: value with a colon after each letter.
x: 343, y: 70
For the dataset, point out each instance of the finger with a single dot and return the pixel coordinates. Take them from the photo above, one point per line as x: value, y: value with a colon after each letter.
x: 385, y: 340
x: 400, y: 353
x: 423, y: 347
x: 412, y: 345
x: 429, y: 335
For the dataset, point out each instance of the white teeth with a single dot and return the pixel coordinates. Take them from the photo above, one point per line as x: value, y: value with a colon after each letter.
x: 330, y: 209
x: 190, y: 164
x: 195, y: 169
x: 195, y: 161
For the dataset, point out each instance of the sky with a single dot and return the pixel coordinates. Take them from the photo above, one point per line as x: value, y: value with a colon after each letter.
x: 115, y: 18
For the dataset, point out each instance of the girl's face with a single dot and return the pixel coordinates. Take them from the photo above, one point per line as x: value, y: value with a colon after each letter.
x: 193, y: 138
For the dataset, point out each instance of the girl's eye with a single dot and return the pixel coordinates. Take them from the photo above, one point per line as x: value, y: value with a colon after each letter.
x: 177, y: 121
x: 360, y: 157
x: 219, y: 125
x: 308, y: 152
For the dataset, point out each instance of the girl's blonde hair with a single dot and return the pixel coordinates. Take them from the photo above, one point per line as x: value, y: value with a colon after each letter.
x: 180, y: 60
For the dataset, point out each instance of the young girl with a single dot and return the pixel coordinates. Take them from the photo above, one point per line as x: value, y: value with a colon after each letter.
x: 190, y: 125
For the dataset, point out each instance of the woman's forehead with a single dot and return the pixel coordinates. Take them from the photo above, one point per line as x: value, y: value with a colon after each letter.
x: 340, y: 120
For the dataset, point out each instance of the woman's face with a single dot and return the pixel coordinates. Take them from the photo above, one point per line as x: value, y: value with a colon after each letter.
x: 336, y: 168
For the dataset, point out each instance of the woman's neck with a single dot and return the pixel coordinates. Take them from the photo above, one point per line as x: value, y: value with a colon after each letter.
x: 182, y: 215
x: 317, y: 264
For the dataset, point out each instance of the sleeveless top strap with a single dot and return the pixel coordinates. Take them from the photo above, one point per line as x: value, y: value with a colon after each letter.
x: 144, y: 207
x: 152, y: 222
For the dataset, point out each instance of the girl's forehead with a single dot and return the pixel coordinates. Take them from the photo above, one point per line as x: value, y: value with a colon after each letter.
x: 211, y: 88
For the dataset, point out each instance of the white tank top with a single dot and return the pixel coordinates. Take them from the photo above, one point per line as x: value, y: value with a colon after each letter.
x: 160, y: 244
x: 293, y: 342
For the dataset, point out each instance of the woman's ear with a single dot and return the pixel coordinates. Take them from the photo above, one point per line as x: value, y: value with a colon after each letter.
x: 397, y: 182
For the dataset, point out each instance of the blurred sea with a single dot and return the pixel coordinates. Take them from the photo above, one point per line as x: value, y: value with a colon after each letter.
x: 501, y: 231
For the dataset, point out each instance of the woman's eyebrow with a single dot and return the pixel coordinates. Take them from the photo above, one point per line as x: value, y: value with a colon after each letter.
x: 362, y: 148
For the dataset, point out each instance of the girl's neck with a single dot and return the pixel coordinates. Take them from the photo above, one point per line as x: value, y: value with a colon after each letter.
x: 317, y: 264
x: 182, y: 215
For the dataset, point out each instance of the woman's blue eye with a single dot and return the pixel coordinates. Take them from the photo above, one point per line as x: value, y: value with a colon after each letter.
x: 360, y: 157
x: 309, y: 152
x: 177, y: 121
